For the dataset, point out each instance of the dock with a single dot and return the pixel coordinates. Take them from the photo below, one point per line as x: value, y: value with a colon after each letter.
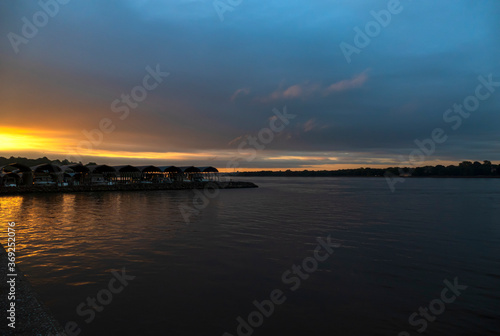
x: 124, y: 187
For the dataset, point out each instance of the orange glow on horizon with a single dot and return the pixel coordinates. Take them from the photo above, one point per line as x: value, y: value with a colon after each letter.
x: 20, y: 139
x: 309, y: 167
x: 145, y: 155
x: 61, y: 145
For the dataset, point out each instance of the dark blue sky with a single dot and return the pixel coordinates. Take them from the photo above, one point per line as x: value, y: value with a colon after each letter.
x: 228, y: 72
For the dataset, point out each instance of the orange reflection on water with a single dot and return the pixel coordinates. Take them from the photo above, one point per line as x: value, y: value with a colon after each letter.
x: 9, y: 212
x: 38, y: 219
x: 9, y: 208
x: 51, y: 228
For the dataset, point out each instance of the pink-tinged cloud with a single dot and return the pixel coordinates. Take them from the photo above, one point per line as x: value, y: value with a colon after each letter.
x: 309, y: 125
x: 307, y: 89
x: 240, y: 92
x: 236, y: 140
x: 293, y: 92
x: 355, y: 82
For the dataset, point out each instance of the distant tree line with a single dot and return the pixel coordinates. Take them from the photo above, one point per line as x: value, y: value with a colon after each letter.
x: 464, y: 169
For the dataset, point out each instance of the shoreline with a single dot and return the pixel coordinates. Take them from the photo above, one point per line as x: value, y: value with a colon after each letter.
x: 32, y: 316
x: 124, y: 187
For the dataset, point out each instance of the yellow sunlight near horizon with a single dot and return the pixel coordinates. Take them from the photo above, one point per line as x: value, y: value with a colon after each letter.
x: 60, y: 145
x: 18, y: 139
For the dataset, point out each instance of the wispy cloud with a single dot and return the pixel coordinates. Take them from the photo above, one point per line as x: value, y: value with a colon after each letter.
x: 236, y: 140
x: 240, y: 92
x: 307, y: 89
x: 309, y: 125
x: 296, y: 91
x: 347, y: 84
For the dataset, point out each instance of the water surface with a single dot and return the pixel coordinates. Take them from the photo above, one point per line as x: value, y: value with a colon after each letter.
x: 196, y: 278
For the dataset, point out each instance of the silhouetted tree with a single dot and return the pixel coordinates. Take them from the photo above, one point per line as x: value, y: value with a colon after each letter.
x: 466, y: 168
x: 486, y: 168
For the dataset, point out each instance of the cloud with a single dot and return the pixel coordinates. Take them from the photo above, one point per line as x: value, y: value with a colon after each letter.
x: 240, y: 92
x: 309, y: 125
x: 307, y: 89
x: 292, y: 92
x: 236, y: 140
x: 347, y: 84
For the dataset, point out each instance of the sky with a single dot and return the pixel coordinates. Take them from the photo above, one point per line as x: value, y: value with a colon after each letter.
x: 251, y: 85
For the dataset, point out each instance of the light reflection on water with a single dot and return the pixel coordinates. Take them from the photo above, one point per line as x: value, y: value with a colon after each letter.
x: 196, y: 279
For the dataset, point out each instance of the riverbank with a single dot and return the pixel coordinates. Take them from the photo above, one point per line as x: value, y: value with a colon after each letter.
x: 124, y: 187
x: 32, y: 317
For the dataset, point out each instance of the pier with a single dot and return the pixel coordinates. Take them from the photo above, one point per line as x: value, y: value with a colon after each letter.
x: 15, y: 190
x: 20, y: 179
